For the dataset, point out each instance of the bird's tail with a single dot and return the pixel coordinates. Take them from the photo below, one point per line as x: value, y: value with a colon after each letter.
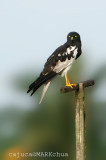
x: 46, y: 85
x: 40, y: 80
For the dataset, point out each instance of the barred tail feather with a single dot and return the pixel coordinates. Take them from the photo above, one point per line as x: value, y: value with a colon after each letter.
x: 40, y: 80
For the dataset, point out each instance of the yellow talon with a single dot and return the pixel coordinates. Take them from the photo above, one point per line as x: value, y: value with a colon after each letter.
x: 68, y: 82
x: 71, y: 85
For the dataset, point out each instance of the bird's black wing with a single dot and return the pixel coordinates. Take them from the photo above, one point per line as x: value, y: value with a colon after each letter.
x: 53, y: 59
x: 47, y: 74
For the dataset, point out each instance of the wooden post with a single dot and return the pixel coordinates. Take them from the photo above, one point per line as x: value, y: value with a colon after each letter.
x: 80, y: 124
x: 79, y: 117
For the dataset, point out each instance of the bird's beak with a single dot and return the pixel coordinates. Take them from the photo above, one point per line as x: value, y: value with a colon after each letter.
x: 71, y: 38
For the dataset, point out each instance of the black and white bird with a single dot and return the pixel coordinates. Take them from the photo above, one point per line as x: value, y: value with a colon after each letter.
x: 58, y: 63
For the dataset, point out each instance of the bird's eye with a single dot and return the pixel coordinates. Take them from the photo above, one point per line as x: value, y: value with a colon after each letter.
x: 75, y: 36
x: 69, y: 36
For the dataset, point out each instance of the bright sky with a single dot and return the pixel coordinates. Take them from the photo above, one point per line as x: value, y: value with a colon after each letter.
x: 31, y: 30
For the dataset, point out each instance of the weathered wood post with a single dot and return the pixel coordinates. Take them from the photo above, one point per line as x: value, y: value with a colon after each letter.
x: 80, y: 124
x: 79, y: 117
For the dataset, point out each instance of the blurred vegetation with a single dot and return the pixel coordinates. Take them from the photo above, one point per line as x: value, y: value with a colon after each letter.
x: 50, y: 127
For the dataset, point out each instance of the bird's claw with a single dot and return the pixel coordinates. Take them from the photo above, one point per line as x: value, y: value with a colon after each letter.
x: 70, y: 85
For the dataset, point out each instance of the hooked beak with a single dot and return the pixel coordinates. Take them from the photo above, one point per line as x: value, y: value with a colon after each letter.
x: 71, y: 38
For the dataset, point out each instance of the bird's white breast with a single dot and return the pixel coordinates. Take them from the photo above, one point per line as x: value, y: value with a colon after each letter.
x: 66, y: 65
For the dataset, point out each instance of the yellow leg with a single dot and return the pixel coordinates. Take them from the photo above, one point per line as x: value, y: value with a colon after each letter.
x: 68, y: 82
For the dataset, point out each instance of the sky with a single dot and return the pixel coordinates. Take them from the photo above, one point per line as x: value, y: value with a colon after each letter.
x: 31, y: 30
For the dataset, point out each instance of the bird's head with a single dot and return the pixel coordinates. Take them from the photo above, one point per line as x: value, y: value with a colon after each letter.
x: 73, y: 37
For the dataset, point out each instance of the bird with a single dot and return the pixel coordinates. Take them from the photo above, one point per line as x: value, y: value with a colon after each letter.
x: 59, y: 63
